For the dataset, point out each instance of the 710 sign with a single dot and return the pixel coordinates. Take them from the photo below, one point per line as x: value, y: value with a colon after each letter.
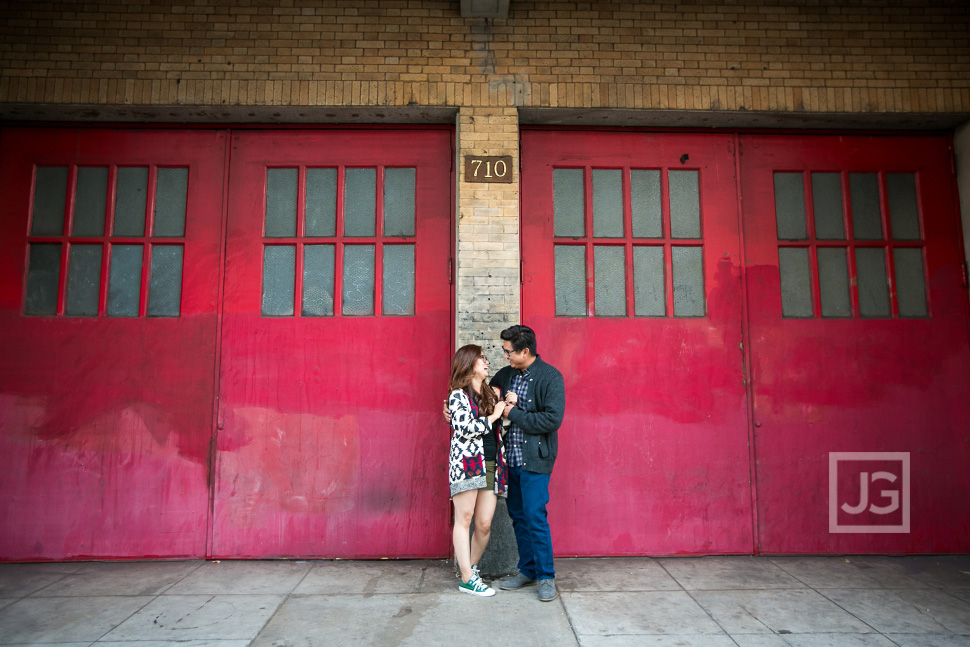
x: 488, y: 169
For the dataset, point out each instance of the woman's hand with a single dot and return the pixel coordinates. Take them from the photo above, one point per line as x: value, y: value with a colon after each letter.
x: 511, y: 398
x: 497, y: 413
x: 446, y: 413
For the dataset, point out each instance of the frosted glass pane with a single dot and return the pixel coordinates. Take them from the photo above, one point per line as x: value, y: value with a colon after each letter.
x: 873, y: 283
x: 171, y: 191
x: 279, y: 279
x: 130, y: 200
x: 90, y: 201
x: 796, y: 284
x: 570, y: 281
x: 318, y: 275
x: 124, y: 288
x: 281, y: 189
x: 833, y: 277
x: 685, y: 204
x: 903, y: 212
x: 321, y: 201
x: 607, y: 203
x: 645, y: 198
x: 569, y: 203
x: 358, y: 292
x: 688, y: 275
x: 827, y: 198
x: 648, y: 281
x: 360, y: 202
x: 910, y: 282
x: 399, y: 201
x: 790, y: 206
x: 610, y: 278
x: 165, y: 283
x: 43, y: 279
x: 864, y: 192
x: 83, y: 281
x: 50, y: 197
x: 399, y: 279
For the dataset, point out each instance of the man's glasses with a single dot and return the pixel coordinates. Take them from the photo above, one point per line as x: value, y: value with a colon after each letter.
x: 508, y: 352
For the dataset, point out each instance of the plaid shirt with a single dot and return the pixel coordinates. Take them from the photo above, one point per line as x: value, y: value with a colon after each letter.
x: 520, y: 386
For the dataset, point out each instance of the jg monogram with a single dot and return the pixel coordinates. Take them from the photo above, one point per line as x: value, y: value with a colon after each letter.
x: 848, y: 468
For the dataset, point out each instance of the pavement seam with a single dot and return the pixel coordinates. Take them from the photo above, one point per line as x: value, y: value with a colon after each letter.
x: 695, y: 601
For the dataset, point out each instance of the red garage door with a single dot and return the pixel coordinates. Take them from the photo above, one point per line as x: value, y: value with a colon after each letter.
x: 857, y: 334
x: 336, y: 345
x: 859, y: 344
x: 311, y: 314
x: 109, y: 258
x: 631, y: 279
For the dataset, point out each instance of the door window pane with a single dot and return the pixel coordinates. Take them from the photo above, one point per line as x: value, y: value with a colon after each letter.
x: 609, y: 275
x: 358, y: 279
x: 903, y: 212
x: 685, y: 204
x: 165, y: 283
x: 43, y: 279
x: 50, y: 195
x: 648, y: 281
x: 90, y: 201
x: 910, y: 282
x: 171, y: 193
x: 570, y: 280
x: 873, y: 286
x: 399, y: 190
x: 124, y: 287
x: 281, y: 191
x: 279, y: 279
x: 607, y: 203
x: 360, y: 202
x: 796, y: 287
x: 83, y: 281
x: 130, y: 200
x: 569, y: 203
x: 645, y: 198
x: 398, y: 280
x: 833, y: 275
x: 688, y: 275
x: 864, y: 192
x: 790, y: 206
x: 318, y: 276
x: 321, y: 201
x: 827, y: 199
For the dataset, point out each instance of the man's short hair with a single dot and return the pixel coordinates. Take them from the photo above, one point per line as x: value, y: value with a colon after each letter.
x: 521, y: 337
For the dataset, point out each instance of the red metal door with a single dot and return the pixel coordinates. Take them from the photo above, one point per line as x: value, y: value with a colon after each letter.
x: 858, y: 322
x: 109, y: 253
x: 336, y: 345
x: 631, y: 277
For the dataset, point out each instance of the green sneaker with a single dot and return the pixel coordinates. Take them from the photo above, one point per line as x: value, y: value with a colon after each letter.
x: 475, y: 586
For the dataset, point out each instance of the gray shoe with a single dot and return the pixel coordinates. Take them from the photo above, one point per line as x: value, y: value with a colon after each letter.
x: 547, y: 590
x: 517, y: 581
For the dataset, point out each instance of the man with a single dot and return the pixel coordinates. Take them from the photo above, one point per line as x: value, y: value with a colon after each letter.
x: 537, y: 394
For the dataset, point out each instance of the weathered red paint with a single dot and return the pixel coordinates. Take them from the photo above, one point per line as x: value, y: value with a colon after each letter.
x: 331, y: 436
x: 105, y: 423
x: 858, y: 385
x: 654, y: 448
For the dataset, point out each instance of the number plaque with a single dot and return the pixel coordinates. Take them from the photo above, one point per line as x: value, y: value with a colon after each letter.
x: 488, y: 169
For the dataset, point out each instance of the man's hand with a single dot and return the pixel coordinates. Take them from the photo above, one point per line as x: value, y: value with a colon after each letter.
x: 512, y: 398
x: 508, y: 407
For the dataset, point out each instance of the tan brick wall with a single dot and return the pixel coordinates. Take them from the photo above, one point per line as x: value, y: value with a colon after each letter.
x: 791, y: 55
x: 488, y: 233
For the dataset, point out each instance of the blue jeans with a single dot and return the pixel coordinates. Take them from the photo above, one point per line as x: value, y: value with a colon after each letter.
x: 527, y: 499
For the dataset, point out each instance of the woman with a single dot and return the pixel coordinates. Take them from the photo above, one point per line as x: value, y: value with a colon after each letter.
x: 476, y: 468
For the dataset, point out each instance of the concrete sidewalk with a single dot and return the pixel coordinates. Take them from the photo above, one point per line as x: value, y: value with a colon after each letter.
x: 704, y: 602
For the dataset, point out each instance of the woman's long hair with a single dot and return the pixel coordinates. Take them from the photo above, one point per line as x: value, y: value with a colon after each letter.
x: 462, y: 365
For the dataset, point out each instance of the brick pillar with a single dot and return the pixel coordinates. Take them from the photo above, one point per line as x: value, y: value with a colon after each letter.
x: 487, y: 294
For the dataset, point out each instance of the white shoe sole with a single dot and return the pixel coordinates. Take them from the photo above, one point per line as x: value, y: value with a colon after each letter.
x: 481, y: 594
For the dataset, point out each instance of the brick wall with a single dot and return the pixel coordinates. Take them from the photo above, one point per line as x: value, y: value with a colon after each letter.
x: 784, y: 55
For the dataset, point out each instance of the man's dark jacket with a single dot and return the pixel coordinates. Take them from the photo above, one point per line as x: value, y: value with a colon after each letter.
x: 544, y: 406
